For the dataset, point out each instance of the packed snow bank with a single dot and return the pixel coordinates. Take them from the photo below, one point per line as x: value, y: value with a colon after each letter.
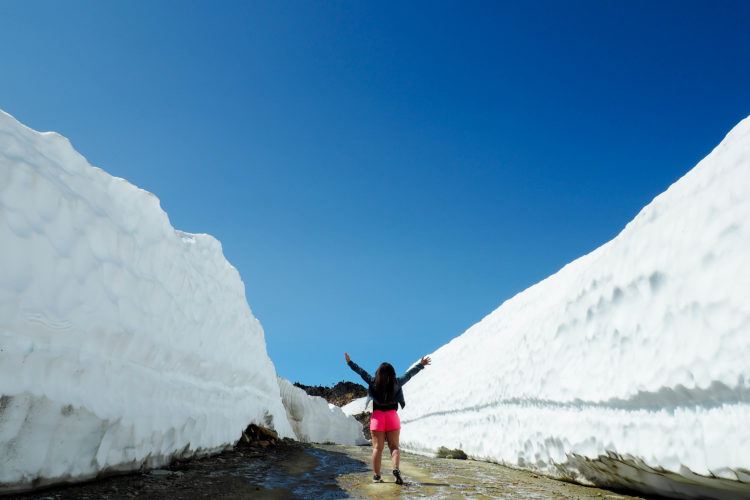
x: 357, y: 406
x: 629, y: 367
x: 122, y: 341
x: 314, y: 420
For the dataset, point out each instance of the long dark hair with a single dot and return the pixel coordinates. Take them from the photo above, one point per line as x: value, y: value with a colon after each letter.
x: 385, y: 380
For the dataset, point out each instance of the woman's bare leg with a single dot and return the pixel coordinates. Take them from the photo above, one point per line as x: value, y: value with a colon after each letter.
x: 393, y: 437
x: 378, y: 442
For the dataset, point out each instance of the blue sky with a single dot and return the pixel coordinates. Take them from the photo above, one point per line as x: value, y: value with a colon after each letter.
x: 384, y: 175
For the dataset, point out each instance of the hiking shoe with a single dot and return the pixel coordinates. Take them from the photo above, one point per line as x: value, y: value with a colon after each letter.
x: 397, y: 473
x: 377, y: 479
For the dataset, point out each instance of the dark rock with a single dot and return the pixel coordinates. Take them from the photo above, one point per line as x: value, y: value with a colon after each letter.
x: 254, y: 435
x: 364, y: 419
x: 444, y: 452
x: 340, y: 394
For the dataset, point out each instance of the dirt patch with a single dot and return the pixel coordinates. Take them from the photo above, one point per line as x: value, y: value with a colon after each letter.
x: 260, y: 466
x: 427, y: 477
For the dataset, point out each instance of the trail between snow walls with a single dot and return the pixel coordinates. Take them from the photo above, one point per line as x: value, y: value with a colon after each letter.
x: 323, y: 472
x: 125, y: 343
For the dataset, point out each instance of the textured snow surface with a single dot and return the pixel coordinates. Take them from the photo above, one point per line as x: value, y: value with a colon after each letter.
x: 628, y: 367
x: 314, y: 420
x: 122, y: 341
x: 357, y: 406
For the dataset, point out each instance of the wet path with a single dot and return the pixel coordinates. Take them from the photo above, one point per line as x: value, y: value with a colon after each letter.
x: 427, y: 477
x: 322, y: 472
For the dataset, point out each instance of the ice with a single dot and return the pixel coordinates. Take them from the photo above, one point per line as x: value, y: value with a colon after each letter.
x: 357, y: 406
x: 314, y: 420
x: 629, y: 367
x: 123, y: 342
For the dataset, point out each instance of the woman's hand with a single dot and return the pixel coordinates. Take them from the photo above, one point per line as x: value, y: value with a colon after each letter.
x: 425, y: 361
x: 346, y: 356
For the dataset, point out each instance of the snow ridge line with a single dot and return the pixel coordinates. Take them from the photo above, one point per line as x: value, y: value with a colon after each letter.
x: 665, y: 399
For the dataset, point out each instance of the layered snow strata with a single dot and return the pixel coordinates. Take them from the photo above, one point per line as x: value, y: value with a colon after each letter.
x: 314, y: 420
x: 123, y: 342
x: 629, y: 367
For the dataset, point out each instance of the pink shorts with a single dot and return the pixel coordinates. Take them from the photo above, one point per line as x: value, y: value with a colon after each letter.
x: 384, y: 421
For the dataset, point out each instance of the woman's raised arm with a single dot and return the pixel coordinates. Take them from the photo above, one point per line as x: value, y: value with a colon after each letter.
x: 354, y: 366
x: 414, y: 370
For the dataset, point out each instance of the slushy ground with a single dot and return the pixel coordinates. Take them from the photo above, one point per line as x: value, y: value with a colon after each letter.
x: 294, y: 470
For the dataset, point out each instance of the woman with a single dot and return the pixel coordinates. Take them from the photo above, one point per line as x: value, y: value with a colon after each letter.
x: 386, y: 394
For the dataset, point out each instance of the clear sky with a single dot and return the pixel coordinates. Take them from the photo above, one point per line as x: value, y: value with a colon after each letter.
x: 383, y: 175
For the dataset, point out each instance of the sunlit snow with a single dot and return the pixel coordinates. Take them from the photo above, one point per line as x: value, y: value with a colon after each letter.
x: 123, y: 342
x: 628, y: 367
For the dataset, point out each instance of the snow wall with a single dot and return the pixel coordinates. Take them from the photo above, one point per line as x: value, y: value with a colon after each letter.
x: 123, y: 342
x: 357, y: 406
x: 630, y: 367
x: 314, y: 420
